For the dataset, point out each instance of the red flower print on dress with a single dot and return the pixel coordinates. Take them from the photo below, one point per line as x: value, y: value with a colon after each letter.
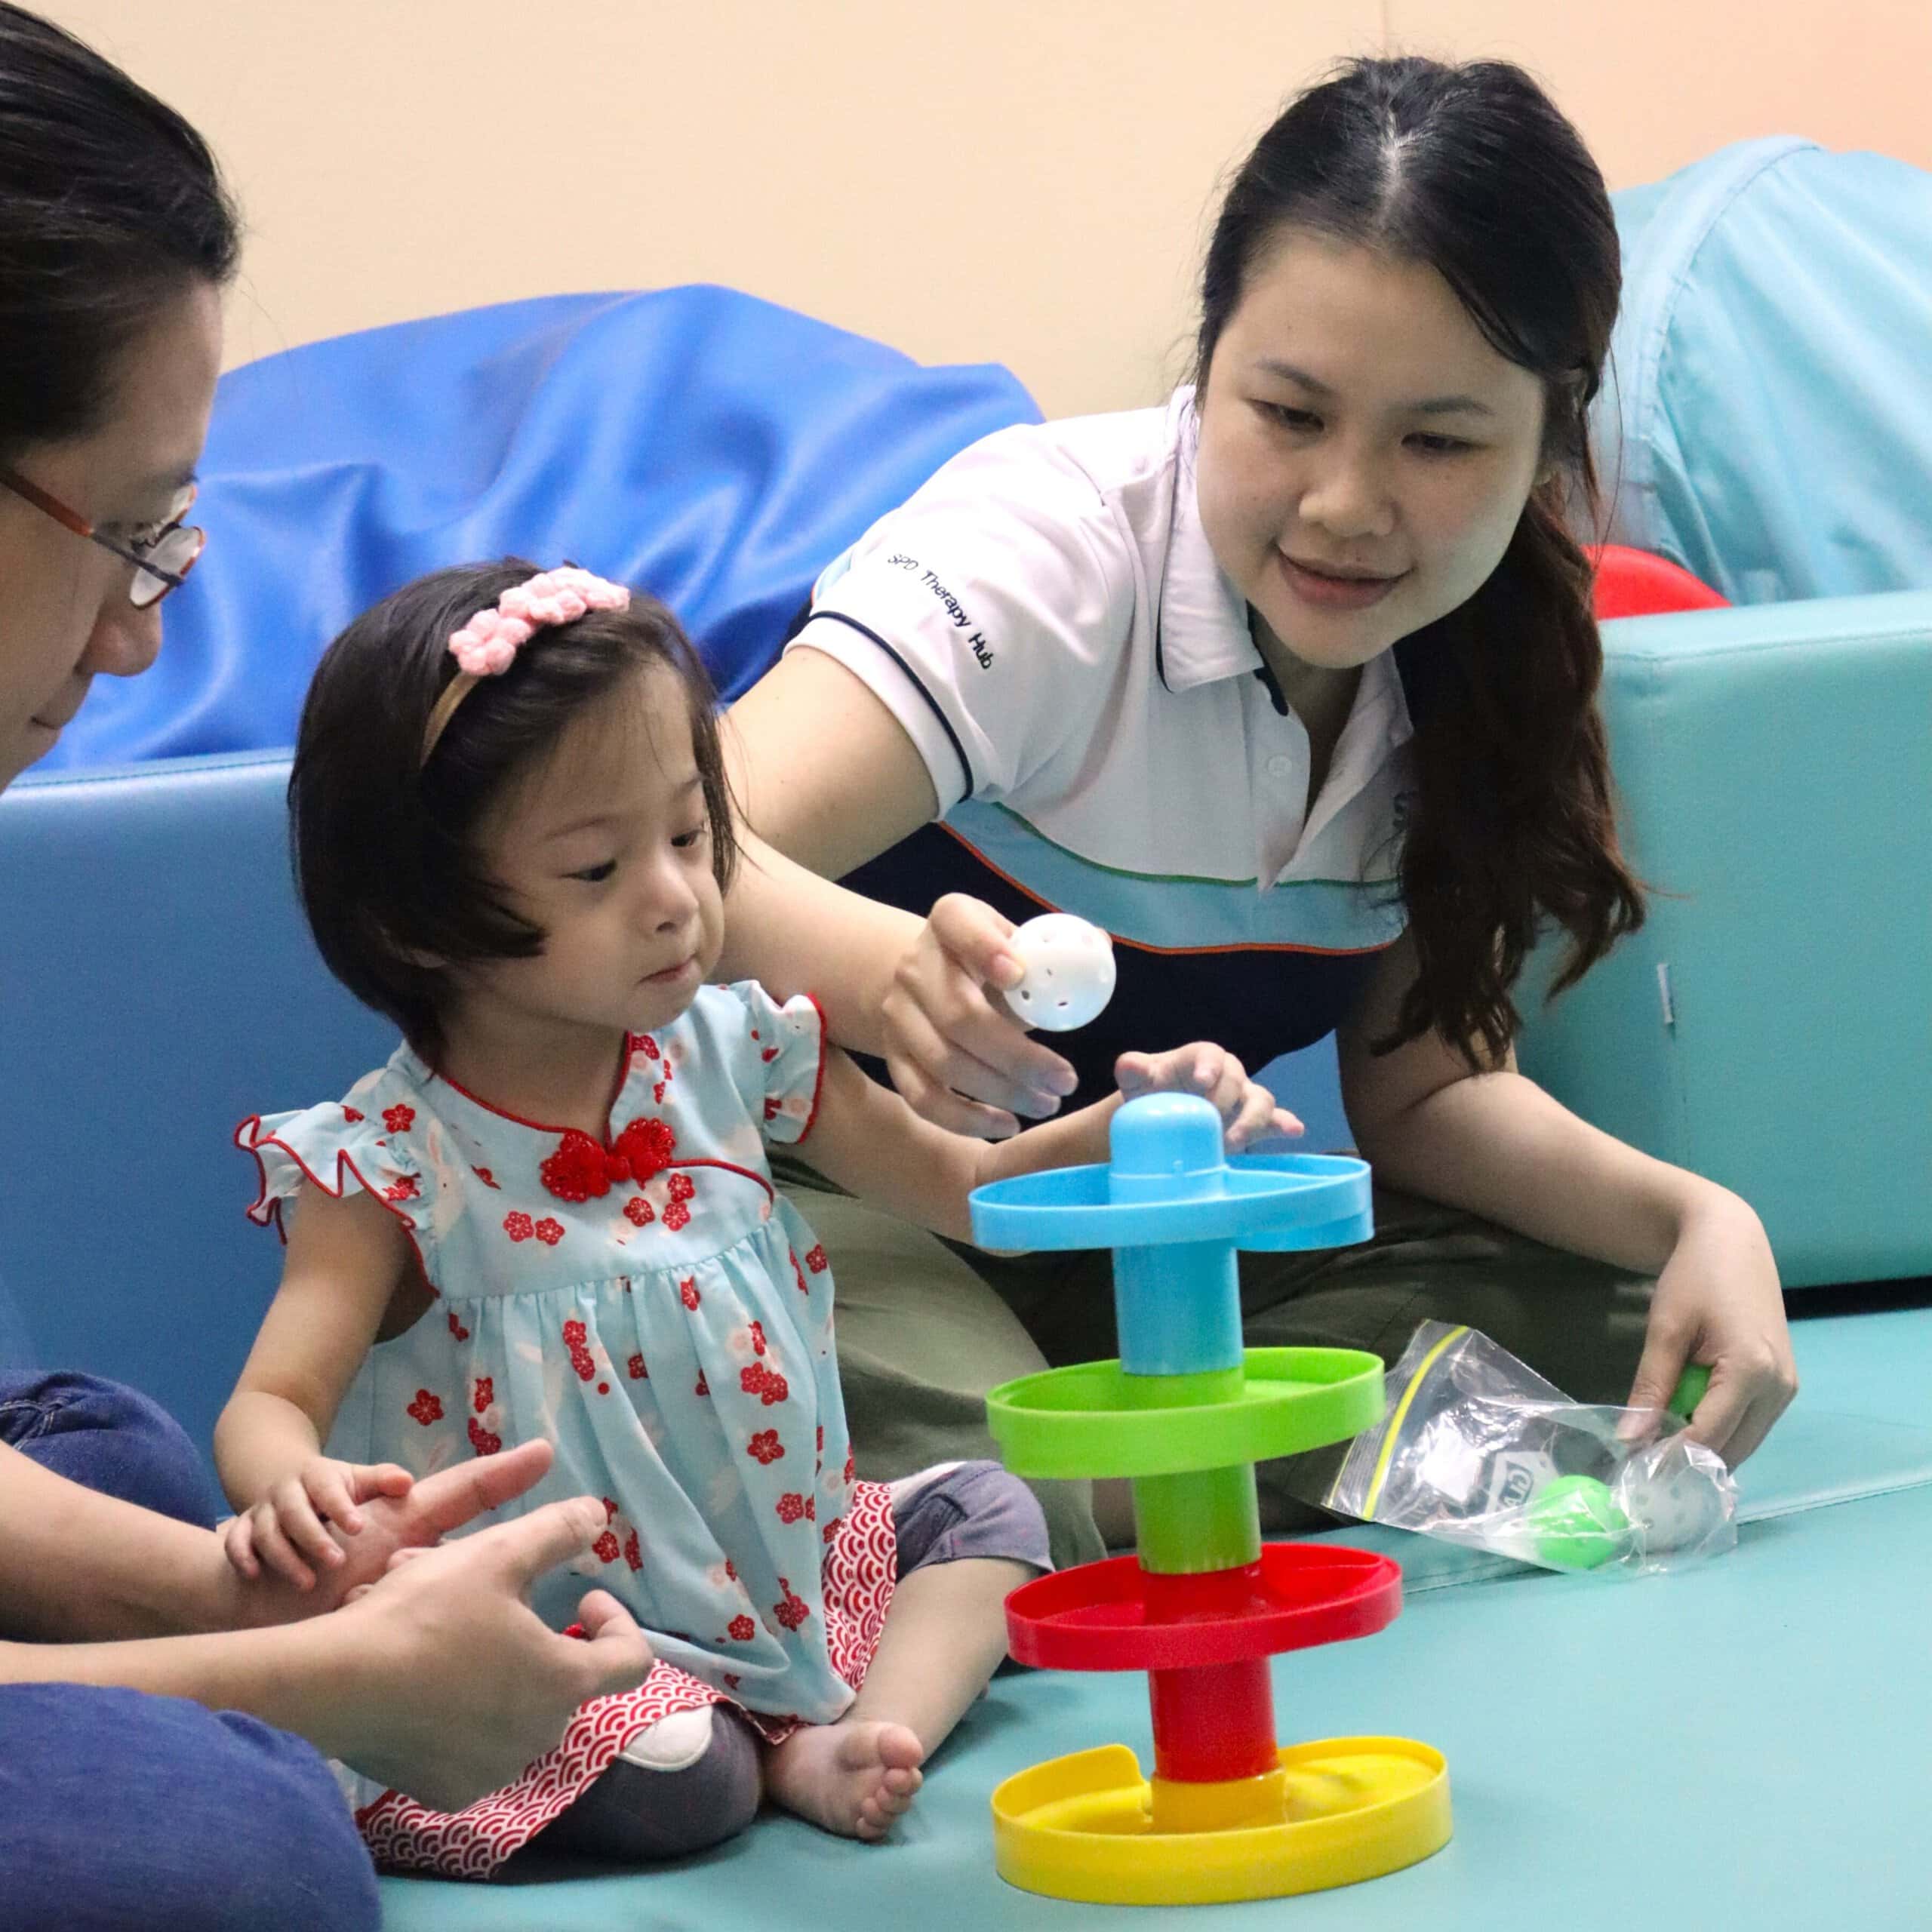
x: 791, y: 1506
x: 457, y: 1327
x: 633, y: 1555
x: 405, y: 1189
x: 849, y: 1465
x: 426, y: 1408
x: 676, y: 1215
x: 398, y: 1120
x: 519, y: 1225
x: 742, y: 1629
x: 832, y: 1530
x: 639, y: 1373
x: 704, y: 1388
x: 642, y: 1043
x: 770, y: 1108
x: 821, y: 1438
x: 484, y: 1441
x: 816, y: 1260
x: 486, y: 1393
x: 764, y: 1383
x: 352, y: 1114
x: 610, y: 1510
x: 770, y: 1054
x: 732, y: 1680
x: 548, y: 1231
x: 574, y: 1334
x: 657, y: 1092
x: 605, y: 1548
x: 730, y: 1570
x: 485, y: 1176
x: 639, y: 1212
x: 758, y: 1337
x: 793, y: 1610
x: 765, y: 1447
x: 798, y: 1275
x: 680, y: 1187
x: 687, y: 1291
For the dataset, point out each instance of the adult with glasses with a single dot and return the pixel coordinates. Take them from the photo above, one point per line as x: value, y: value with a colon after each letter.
x: 161, y: 1716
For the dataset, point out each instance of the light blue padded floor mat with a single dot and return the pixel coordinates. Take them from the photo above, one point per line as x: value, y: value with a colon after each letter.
x: 1740, y: 1745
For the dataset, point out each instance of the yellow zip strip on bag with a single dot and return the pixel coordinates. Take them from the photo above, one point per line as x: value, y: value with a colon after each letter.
x: 1396, y: 1422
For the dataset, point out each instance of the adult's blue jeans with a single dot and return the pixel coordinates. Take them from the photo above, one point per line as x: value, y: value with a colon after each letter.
x: 119, y: 1809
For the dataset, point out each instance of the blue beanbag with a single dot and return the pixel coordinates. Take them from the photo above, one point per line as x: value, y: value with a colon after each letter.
x: 1769, y: 424
x: 712, y: 447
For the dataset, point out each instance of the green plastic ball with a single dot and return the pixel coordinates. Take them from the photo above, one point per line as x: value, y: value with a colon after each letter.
x: 1576, y: 1525
x: 1689, y: 1392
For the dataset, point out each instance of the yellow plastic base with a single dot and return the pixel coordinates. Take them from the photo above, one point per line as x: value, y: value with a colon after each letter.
x: 1349, y: 1808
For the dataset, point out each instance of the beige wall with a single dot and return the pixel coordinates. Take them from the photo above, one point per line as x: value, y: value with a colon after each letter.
x: 1026, y: 181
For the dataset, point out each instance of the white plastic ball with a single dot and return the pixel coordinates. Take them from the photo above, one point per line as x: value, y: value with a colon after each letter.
x: 1069, y: 972
x: 1678, y: 1494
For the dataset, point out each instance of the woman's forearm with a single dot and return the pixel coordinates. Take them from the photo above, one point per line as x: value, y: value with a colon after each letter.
x: 302, y: 1677
x: 82, y: 1566
x: 1497, y: 1145
x: 796, y: 933
x: 824, y: 778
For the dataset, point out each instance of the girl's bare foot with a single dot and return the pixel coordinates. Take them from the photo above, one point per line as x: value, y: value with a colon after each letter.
x: 854, y: 1777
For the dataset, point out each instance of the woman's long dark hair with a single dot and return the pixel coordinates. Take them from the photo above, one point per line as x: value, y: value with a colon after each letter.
x: 110, y: 205
x: 1471, y: 170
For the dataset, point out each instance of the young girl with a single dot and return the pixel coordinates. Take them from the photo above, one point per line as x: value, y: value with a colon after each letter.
x: 550, y: 1215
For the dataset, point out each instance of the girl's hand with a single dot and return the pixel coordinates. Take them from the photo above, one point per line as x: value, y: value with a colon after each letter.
x: 1247, y: 1111
x: 1717, y: 1302
x: 289, y: 1530
x: 956, y: 1053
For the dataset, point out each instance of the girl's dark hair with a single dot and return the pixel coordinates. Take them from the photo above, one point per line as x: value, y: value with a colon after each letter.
x: 387, y: 848
x: 1471, y: 170
x: 110, y: 203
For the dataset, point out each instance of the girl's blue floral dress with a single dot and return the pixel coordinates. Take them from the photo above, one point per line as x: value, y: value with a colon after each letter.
x: 651, y: 1305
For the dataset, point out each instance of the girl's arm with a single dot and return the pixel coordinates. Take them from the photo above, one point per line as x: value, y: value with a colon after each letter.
x: 346, y: 1259
x: 1495, y: 1143
x: 866, y: 1138
x: 825, y: 778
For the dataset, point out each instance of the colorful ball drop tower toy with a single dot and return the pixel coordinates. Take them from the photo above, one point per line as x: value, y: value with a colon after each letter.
x: 1186, y: 1412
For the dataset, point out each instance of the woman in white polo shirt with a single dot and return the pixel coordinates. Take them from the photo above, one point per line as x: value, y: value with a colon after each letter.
x: 1291, y: 685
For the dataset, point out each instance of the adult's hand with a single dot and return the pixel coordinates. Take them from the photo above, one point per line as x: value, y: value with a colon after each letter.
x: 953, y: 1051
x: 1717, y: 1302
x: 418, y: 1519
x: 449, y: 1683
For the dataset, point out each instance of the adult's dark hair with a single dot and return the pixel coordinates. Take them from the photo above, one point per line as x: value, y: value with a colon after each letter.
x: 387, y: 848
x: 1471, y: 170
x: 110, y: 204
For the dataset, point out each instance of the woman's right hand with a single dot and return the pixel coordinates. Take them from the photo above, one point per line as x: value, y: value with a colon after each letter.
x: 956, y: 1053
x: 287, y: 1531
x: 451, y: 1683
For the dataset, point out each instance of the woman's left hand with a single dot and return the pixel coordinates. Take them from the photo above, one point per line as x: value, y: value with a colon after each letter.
x: 1719, y: 1303
x: 1247, y: 1109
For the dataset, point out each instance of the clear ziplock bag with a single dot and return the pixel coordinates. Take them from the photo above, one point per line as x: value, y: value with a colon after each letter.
x: 1476, y: 1448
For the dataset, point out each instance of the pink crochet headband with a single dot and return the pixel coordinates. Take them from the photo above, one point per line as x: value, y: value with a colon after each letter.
x: 487, y: 646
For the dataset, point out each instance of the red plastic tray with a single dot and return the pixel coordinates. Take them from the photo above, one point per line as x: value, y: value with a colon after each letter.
x: 1114, y: 1615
